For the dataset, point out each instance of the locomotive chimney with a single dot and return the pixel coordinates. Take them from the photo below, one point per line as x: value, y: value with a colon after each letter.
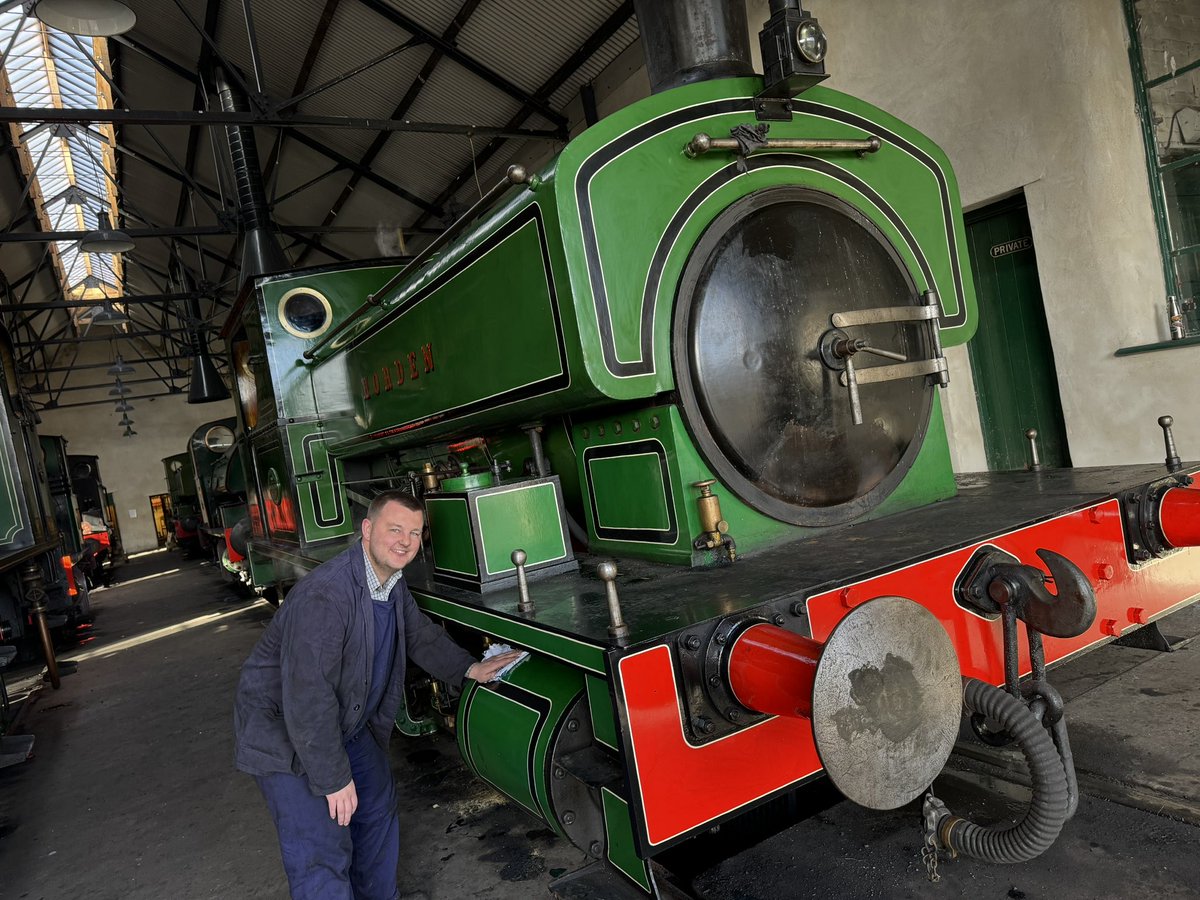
x: 693, y: 40
x: 685, y: 41
x: 261, y: 252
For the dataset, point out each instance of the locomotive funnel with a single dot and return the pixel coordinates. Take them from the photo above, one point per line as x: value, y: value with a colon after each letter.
x: 693, y: 40
x: 884, y: 694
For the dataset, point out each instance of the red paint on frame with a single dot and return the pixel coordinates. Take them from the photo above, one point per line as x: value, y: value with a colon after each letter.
x: 750, y: 764
x: 683, y: 786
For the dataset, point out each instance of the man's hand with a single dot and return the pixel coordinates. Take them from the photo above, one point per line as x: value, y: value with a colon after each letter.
x: 343, y: 803
x: 486, y: 670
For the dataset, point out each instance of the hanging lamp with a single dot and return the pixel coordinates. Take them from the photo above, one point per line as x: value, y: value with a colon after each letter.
x: 87, y: 18
x: 105, y: 239
x: 119, y: 367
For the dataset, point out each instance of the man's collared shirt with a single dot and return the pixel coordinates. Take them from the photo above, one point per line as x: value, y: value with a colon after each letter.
x: 379, y: 592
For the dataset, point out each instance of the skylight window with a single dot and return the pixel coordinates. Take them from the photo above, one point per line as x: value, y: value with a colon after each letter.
x: 72, y: 167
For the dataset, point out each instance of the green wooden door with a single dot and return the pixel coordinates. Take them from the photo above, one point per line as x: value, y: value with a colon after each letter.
x: 1011, y: 356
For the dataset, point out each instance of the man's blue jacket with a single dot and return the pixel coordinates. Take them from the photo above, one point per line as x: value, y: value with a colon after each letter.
x: 303, y: 688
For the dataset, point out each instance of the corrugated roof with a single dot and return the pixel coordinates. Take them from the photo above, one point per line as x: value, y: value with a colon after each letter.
x: 338, y: 193
x: 555, y: 36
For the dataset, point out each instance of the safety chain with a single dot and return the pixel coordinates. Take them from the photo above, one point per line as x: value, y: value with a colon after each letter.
x: 932, y: 812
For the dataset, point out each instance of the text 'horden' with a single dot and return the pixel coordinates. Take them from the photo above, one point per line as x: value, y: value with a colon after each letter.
x: 408, y: 367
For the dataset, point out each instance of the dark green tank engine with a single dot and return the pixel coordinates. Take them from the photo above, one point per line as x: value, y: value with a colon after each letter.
x: 39, y: 591
x: 181, y: 484
x: 774, y: 323
x: 219, y: 465
x: 707, y: 341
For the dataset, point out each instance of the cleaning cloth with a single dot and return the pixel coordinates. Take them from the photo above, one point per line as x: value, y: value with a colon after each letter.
x: 504, y: 648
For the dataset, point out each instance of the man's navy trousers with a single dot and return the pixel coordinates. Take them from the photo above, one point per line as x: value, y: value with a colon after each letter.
x: 327, y: 861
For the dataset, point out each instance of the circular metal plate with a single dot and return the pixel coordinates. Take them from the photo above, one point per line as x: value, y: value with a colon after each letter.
x: 886, y: 702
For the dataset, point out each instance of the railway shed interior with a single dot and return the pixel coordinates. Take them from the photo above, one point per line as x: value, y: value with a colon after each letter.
x: 1053, y: 117
x: 369, y: 127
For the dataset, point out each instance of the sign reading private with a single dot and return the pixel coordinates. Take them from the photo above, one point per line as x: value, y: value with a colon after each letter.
x: 998, y: 250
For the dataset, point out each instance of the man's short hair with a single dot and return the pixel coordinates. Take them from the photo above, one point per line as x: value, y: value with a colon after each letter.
x: 405, y: 499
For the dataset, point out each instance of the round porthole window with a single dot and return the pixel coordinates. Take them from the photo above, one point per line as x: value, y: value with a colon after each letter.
x: 274, y: 489
x: 219, y: 438
x: 305, y: 313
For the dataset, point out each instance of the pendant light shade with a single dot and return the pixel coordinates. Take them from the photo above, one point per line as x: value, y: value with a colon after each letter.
x: 123, y: 407
x: 119, y: 367
x: 105, y: 239
x: 125, y: 421
x: 128, y: 432
x: 119, y: 390
x: 107, y: 314
x: 87, y: 18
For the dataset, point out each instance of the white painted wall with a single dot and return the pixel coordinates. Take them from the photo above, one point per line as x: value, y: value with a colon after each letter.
x: 131, y: 467
x: 1025, y: 94
x: 1039, y: 96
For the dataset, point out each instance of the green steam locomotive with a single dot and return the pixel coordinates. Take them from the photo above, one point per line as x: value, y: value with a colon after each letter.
x: 706, y: 341
x: 42, y: 596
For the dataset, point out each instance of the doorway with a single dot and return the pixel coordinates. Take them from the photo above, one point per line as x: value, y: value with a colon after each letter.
x: 1012, y: 359
x: 160, y: 508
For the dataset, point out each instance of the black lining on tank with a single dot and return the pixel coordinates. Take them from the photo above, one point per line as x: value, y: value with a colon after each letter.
x: 306, y: 444
x: 638, y: 535
x: 525, y: 392
x: 536, y: 702
x: 593, y: 164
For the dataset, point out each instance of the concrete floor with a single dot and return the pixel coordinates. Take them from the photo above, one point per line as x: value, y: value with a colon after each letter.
x: 132, y: 793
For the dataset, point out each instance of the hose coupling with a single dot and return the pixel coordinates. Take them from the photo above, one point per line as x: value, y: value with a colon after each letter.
x: 945, y: 830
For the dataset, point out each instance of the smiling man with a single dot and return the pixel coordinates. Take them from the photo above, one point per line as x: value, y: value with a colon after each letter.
x: 317, y: 700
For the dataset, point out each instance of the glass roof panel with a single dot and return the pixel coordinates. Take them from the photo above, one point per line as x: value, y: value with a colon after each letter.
x: 72, y: 166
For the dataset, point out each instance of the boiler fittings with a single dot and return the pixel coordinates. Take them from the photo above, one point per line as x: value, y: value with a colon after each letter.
x: 714, y: 530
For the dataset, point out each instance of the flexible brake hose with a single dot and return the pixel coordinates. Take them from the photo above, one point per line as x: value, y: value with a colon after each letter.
x: 1049, y: 808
